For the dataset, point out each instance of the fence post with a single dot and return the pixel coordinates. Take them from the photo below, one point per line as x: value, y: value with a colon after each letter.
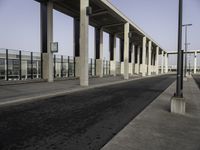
x: 109, y: 66
x: 106, y: 67
x: 7, y: 64
x: 62, y: 66
x: 41, y: 66
x: 31, y: 65
x: 54, y: 70
x: 95, y: 66
x: 91, y: 65
x: 68, y: 61
x: 20, y: 65
x: 103, y: 67
x: 74, y: 66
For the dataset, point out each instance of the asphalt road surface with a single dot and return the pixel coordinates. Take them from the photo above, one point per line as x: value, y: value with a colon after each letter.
x: 197, y: 79
x: 78, y: 121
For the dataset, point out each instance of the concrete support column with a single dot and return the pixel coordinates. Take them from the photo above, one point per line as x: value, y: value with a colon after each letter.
x: 156, y: 60
x: 166, y: 63
x: 149, y: 58
x: 195, y: 62
x: 46, y: 11
x: 144, y: 57
x: 122, y: 56
x: 133, y: 59
x: 84, y: 21
x: 77, y: 46
x: 162, y: 62
x: 130, y: 59
x: 37, y: 68
x: 113, y: 54
x: 138, y: 60
x: 99, y: 51
x: 126, y: 51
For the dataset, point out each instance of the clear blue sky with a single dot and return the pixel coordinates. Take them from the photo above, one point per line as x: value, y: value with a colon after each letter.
x: 20, y: 24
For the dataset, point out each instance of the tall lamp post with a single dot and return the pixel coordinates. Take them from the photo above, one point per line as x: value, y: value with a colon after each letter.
x: 177, y: 101
x: 186, y: 46
x: 179, y: 63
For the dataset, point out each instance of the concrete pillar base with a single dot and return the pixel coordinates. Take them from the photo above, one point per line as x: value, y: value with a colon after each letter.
x: 136, y: 69
x: 178, y: 105
x: 113, y: 68
x: 77, y: 68
x: 48, y: 67
x: 131, y: 68
x: 122, y: 68
x: 99, y: 67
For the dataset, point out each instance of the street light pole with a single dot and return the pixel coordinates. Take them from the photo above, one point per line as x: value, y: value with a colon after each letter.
x: 179, y: 64
x: 177, y: 101
x: 186, y: 44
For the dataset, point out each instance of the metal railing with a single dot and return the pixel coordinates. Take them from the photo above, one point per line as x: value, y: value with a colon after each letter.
x: 92, y: 67
x: 19, y: 65
x: 118, y: 68
x: 64, y: 66
x: 106, y: 67
x: 24, y: 65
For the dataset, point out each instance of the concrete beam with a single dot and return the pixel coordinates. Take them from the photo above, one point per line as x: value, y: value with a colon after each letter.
x: 94, y: 14
x: 112, y: 25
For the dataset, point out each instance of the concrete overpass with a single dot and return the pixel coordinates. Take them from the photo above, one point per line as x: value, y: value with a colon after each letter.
x: 138, y: 51
x: 195, y: 52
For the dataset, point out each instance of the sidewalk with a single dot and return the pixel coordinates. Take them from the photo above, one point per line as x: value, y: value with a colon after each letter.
x: 158, y: 129
x: 11, y: 94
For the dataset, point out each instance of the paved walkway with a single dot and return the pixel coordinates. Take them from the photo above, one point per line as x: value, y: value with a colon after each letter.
x: 157, y: 129
x: 34, y: 91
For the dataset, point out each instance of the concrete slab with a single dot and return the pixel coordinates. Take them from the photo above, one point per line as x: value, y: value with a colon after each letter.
x: 158, y: 129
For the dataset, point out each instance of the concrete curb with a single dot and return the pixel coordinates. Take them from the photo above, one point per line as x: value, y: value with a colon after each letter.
x: 65, y: 92
x: 108, y: 145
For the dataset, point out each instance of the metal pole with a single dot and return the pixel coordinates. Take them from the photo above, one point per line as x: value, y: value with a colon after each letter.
x: 54, y: 70
x: 20, y: 65
x: 91, y: 66
x: 68, y: 61
x: 74, y: 66
x: 62, y: 66
x: 31, y: 65
x: 7, y: 64
x: 182, y: 56
x: 185, y: 73
x: 179, y: 81
x: 103, y: 67
x: 189, y: 67
x: 41, y: 66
